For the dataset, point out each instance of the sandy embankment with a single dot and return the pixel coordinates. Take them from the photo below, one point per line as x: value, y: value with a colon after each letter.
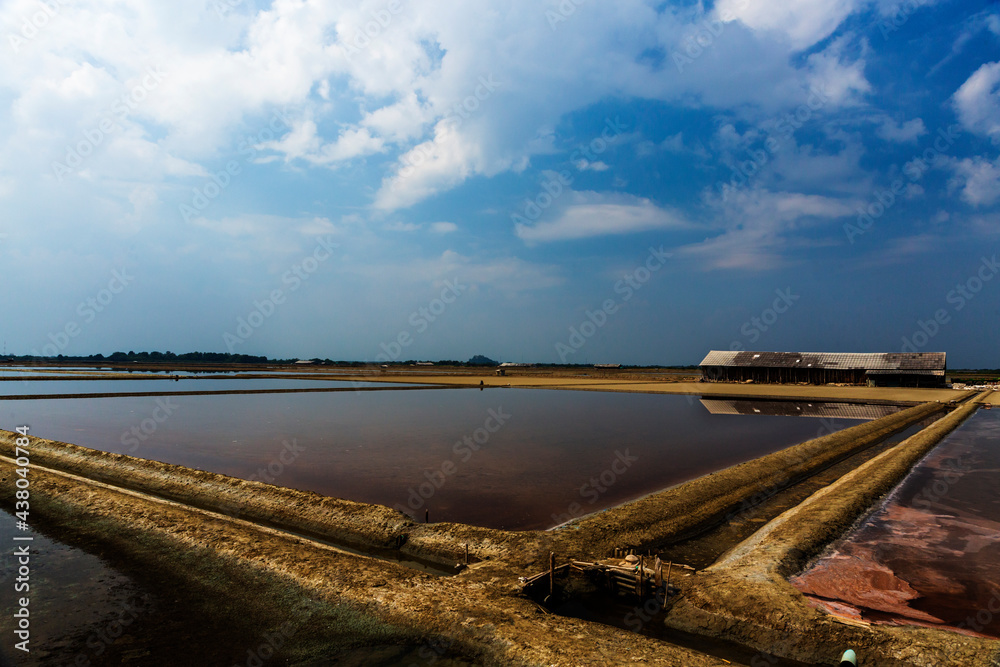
x: 672, y: 514
x: 757, y: 391
x: 745, y: 597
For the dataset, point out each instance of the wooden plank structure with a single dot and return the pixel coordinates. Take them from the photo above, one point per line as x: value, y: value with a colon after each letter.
x: 644, y: 580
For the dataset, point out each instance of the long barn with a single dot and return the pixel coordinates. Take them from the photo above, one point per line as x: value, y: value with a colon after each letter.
x: 877, y: 369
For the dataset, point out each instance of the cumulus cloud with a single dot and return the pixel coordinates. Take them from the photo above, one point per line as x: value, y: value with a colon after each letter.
x: 978, y: 179
x: 433, y: 87
x: 906, y: 132
x: 593, y: 214
x: 839, y: 81
x: 760, y: 228
x: 443, y: 227
x: 801, y: 22
x: 977, y: 102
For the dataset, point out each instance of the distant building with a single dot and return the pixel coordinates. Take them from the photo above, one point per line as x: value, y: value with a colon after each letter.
x: 304, y: 362
x: 879, y: 369
x: 607, y: 365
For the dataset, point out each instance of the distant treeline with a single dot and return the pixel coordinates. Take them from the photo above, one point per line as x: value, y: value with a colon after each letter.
x: 227, y: 358
x: 157, y: 357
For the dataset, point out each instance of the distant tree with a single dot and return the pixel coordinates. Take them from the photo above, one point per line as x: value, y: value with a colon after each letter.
x: 480, y: 360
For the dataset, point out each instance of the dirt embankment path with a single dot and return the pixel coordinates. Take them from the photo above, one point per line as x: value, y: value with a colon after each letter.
x: 676, y: 513
x: 745, y: 597
x: 675, y: 385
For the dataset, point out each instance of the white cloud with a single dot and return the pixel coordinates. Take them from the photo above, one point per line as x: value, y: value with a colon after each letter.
x: 903, y: 247
x: 597, y: 214
x: 977, y: 102
x: 907, y: 132
x: 904, y: 7
x: 394, y: 92
x: 586, y: 165
x: 443, y: 227
x: 838, y: 82
x: 402, y: 227
x: 509, y: 275
x: 979, y: 180
x: 760, y: 228
x: 800, y: 22
x: 433, y: 166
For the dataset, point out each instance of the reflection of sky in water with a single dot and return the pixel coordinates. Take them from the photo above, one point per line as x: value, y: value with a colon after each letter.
x: 554, y: 456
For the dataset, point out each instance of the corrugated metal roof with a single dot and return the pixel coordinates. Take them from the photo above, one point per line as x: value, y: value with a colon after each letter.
x: 893, y: 361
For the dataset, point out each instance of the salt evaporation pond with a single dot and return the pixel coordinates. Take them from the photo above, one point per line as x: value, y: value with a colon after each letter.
x: 163, y: 384
x: 505, y: 458
x: 930, y: 554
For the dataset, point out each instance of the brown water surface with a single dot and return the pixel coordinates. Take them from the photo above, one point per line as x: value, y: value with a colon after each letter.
x: 505, y: 458
x: 930, y: 554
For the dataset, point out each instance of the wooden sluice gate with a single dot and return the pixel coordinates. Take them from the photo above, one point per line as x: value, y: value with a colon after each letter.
x: 645, y: 577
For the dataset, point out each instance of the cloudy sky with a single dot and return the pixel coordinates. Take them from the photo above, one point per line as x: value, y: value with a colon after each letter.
x: 534, y: 180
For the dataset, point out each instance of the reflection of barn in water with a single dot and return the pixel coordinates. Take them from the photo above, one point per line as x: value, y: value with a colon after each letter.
x: 727, y: 406
x: 877, y: 369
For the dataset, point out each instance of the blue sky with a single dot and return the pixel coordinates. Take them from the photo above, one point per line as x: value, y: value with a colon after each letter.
x: 584, y: 181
